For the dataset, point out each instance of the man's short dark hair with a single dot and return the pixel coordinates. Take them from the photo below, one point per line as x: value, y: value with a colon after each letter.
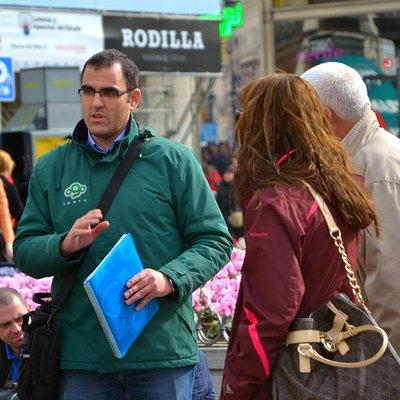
x: 107, y: 58
x: 8, y: 295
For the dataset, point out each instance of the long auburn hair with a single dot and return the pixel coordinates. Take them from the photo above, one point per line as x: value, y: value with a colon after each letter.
x: 282, y: 115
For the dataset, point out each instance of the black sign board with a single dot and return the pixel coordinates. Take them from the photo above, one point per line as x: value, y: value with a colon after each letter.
x: 166, y: 45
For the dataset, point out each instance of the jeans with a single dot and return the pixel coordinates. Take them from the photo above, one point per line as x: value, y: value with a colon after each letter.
x: 155, y: 384
x: 203, y: 388
x: 8, y: 394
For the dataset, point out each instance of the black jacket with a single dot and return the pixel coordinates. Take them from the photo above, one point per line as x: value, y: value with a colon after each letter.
x: 5, y: 365
x: 14, y: 199
x: 227, y: 204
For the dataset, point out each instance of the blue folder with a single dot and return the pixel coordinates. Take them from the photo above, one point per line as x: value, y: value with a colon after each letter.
x: 106, y: 285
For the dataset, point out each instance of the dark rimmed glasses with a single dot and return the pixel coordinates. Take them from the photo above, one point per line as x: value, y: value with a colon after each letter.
x: 105, y: 93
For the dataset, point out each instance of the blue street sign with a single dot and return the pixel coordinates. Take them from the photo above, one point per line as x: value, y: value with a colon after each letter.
x: 208, y: 132
x: 7, y: 86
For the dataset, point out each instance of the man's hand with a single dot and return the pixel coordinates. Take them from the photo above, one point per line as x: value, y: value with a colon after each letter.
x: 146, y: 285
x: 83, y: 232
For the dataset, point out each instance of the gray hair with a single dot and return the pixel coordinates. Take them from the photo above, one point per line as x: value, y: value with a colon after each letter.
x: 341, y: 89
x: 8, y: 295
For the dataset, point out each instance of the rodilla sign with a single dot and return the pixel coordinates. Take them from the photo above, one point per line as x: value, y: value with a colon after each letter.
x: 166, y: 45
x: 162, y: 39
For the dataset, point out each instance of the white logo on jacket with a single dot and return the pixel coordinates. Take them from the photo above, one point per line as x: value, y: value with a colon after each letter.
x: 75, y: 190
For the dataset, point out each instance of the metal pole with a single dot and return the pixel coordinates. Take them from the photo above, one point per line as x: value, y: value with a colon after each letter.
x: 196, y: 103
x: 263, y: 40
x: 267, y: 64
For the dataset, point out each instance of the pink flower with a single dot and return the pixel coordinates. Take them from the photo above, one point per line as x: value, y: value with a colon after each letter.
x: 219, y: 294
x: 27, y: 286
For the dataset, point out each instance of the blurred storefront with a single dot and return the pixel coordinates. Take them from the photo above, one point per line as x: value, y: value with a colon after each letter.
x: 177, y: 52
x: 355, y: 41
x: 298, y: 34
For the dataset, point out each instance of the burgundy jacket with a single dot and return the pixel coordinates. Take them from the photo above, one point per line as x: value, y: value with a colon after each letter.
x: 291, y: 268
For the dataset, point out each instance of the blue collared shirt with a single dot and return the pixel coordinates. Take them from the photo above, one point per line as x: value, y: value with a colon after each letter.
x: 14, y: 363
x: 100, y: 150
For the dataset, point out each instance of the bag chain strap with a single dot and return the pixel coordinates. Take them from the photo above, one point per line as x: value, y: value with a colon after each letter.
x: 355, y: 287
x: 336, y: 235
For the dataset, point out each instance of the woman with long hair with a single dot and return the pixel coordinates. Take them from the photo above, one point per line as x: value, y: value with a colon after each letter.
x: 292, y: 265
x: 6, y: 228
x: 7, y: 165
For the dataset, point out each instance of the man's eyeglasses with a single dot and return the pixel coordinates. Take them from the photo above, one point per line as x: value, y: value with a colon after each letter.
x: 105, y: 93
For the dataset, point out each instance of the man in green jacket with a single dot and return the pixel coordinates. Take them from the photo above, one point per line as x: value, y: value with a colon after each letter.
x: 164, y: 202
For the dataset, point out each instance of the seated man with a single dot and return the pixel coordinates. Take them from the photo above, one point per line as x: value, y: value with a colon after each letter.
x: 12, y: 307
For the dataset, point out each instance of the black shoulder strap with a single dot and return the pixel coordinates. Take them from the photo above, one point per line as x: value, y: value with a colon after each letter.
x: 104, y: 204
x: 119, y: 175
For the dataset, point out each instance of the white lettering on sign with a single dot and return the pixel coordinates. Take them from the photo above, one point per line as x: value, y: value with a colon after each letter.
x: 154, y: 39
x: 3, y: 72
x: 164, y: 39
x: 140, y: 38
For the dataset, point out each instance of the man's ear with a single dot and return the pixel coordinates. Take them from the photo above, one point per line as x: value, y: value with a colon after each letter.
x: 134, y: 99
x: 329, y: 114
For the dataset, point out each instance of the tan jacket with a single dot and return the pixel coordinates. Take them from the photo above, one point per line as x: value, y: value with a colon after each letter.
x: 376, y: 155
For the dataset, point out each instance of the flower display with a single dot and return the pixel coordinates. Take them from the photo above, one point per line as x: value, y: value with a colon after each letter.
x: 27, y: 286
x: 213, y: 303
x: 219, y: 294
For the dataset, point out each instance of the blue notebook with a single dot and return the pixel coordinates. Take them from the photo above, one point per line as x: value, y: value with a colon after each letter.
x: 105, y: 287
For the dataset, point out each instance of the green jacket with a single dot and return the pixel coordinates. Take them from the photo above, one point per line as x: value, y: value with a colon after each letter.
x: 165, y: 203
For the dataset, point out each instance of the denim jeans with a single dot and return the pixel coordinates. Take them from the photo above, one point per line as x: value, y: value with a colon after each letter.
x: 203, y: 388
x: 155, y: 384
x: 8, y: 394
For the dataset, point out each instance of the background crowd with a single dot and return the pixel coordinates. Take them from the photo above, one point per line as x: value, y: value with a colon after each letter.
x: 296, y: 136
x: 219, y: 164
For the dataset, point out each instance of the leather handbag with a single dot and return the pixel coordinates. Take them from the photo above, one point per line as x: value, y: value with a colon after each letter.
x: 40, y: 352
x: 339, y: 352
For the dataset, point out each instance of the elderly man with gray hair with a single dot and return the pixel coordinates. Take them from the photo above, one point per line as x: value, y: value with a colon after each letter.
x: 376, y: 155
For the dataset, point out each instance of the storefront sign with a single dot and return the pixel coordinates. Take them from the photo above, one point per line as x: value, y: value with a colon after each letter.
x: 150, y: 6
x: 38, y: 39
x: 166, y: 45
x: 366, y: 67
x: 385, y: 101
x: 315, y: 55
x: 321, y: 48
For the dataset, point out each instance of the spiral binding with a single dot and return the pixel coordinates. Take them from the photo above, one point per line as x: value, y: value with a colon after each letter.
x: 102, y: 320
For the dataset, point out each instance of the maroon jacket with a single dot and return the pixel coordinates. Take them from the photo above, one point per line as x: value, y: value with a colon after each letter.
x: 291, y: 267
